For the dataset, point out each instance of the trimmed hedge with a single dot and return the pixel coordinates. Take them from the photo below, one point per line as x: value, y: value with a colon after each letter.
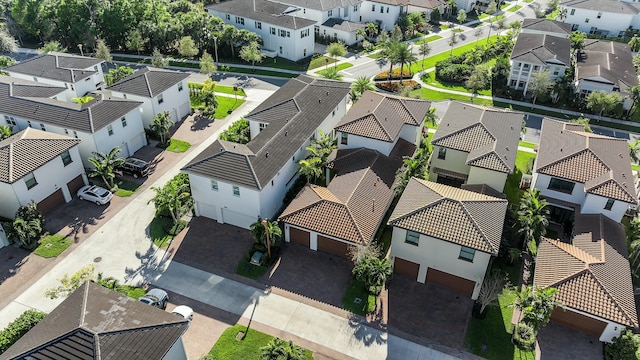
x: 17, y: 328
x: 393, y: 86
x: 395, y: 75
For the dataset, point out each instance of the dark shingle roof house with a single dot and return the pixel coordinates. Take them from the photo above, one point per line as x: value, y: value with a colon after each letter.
x: 545, y: 25
x: 57, y: 66
x: 618, y: 7
x: 28, y: 150
x: 98, y: 323
x: 148, y: 82
x: 490, y: 136
x: 608, y: 60
x: 542, y: 49
x: 262, y: 10
x: 451, y: 214
x: 599, y: 162
x: 320, y: 4
x: 381, y: 117
x: 293, y: 114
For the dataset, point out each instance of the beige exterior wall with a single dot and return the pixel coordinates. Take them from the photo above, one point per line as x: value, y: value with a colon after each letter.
x: 495, y: 179
x: 454, y: 161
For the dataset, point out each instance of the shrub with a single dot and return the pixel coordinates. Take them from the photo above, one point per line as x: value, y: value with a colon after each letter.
x: 450, y: 72
x: 395, y: 75
x: 238, y: 132
x: 524, y: 336
x: 394, y: 86
x: 624, y: 347
x: 17, y: 328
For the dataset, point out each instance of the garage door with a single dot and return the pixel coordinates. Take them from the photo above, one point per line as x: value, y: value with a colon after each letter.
x: 299, y: 236
x: 51, y: 202
x: 134, y: 144
x: 75, y: 185
x: 207, y: 210
x: 577, y: 321
x: 449, y: 281
x: 237, y: 219
x: 406, y: 268
x: 333, y: 247
x: 184, y: 110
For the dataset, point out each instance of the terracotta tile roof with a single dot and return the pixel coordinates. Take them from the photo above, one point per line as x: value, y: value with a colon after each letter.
x: 149, y: 82
x: 599, y: 162
x: 355, y: 202
x: 431, y: 208
x: 490, y: 136
x: 381, y: 117
x: 28, y: 150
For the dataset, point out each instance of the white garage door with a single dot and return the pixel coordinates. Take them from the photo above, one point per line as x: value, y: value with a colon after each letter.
x: 135, y: 143
x: 237, y: 219
x: 184, y: 110
x: 206, y: 210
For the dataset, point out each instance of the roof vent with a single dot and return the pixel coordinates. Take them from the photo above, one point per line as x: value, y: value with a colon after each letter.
x: 319, y: 101
x: 327, y: 93
x: 620, y: 154
x: 373, y: 205
x: 221, y: 149
x: 286, y: 132
x: 560, y: 149
x: 507, y: 148
x: 267, y: 154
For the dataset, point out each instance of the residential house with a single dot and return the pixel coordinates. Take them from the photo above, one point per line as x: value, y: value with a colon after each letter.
x: 534, y: 53
x: 475, y: 145
x: 592, y: 276
x: 79, y: 75
x: 377, y: 121
x: 546, y: 26
x: 282, y: 33
x: 100, y: 124
x: 237, y: 183
x: 384, y: 13
x: 97, y: 323
x: 425, y: 7
x: 158, y: 90
x: 607, y: 18
x: 574, y: 167
x: 38, y: 166
x: 445, y: 235
x: 605, y: 66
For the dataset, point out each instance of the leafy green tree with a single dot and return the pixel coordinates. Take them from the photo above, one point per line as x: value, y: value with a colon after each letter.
x: 104, y: 165
x: 634, y: 96
x: 258, y: 231
x: 634, y: 151
x: 19, y: 327
x: 514, y: 29
x: 539, y: 84
x: 477, y: 33
x: 187, y: 47
x: 453, y: 40
x: 536, y: 305
x: 360, y: 34
x: 278, y: 349
x: 322, y: 146
x: 229, y: 35
x: 83, y: 100
x: 584, y: 122
x: 311, y: 168
x: 404, y: 55
x: 360, y: 85
x: 449, y: 8
x: 117, y: 74
x: 207, y: 66
x: 158, y: 60
x: 478, y: 80
x: 371, y: 29
x: 6, y: 61
x: 252, y: 53
x: 632, y: 234
x: 373, y: 272
x: 533, y: 218
x: 239, y: 132
x: 5, y: 132
x: 210, y: 101
x: 601, y: 102
x: 174, y: 197
x: 396, y: 34
x: 8, y: 43
x: 424, y: 49
x: 336, y: 49
x: 161, y: 124
x: 577, y: 43
x: 102, y: 51
x: 27, y: 232
x: 331, y: 74
x: 69, y: 283
x: 624, y: 347
x: 634, y: 43
x: 462, y: 16
x: 492, y: 8
x: 135, y: 41
x: 416, y: 21
x: 51, y: 46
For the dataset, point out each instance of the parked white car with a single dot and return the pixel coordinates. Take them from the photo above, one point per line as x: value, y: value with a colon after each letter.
x: 183, y: 311
x: 95, y: 194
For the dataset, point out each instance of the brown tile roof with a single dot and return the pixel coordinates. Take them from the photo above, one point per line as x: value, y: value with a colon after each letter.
x: 28, y: 150
x: 381, y: 117
x: 355, y: 202
x: 455, y: 215
x: 490, y: 136
x: 609, y: 60
x: 592, y: 274
x: 98, y: 323
x: 599, y: 162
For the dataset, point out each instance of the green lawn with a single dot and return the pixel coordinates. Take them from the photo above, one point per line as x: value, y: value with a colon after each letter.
x: 162, y: 231
x: 443, y: 27
x: 225, y: 104
x: 178, y: 146
x: 52, y: 246
x: 437, y: 95
x: 355, y: 290
x: 494, y: 333
x: 554, y: 14
x: 249, y: 270
x: 228, y: 347
x: 339, y: 67
x: 126, y: 188
x: 133, y: 292
x: 429, y: 39
x: 515, y: 8
x: 635, y: 167
x: 430, y: 79
x: 526, y: 144
x: 229, y: 90
x: 320, y: 61
x: 258, y: 71
x: 432, y: 60
x: 511, y: 187
x: 493, y: 19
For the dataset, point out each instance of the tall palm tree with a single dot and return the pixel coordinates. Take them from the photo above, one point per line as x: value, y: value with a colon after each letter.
x: 536, y: 305
x: 405, y: 56
x: 453, y: 40
x: 390, y: 54
x: 634, y: 43
x: 174, y: 198
x: 161, y: 125
x: 360, y: 85
x: 634, y: 150
x: 5, y: 132
x: 105, y: 164
x: 371, y: 29
x: 259, y: 232
x: 634, y: 96
x: 632, y: 232
x: 360, y: 33
x: 533, y: 216
x: 27, y: 232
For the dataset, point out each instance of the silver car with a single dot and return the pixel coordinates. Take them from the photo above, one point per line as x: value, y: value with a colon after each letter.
x: 157, y: 298
x: 95, y: 194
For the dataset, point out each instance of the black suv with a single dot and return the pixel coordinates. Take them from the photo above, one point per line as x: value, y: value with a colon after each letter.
x: 135, y: 167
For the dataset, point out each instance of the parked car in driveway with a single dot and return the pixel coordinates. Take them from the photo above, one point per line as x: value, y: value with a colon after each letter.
x: 134, y: 167
x: 95, y: 194
x: 156, y: 297
x: 183, y: 311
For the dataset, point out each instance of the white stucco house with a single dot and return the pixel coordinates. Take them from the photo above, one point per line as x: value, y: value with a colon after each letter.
x: 101, y: 124
x: 534, y: 53
x: 475, y: 145
x: 426, y: 7
x: 237, y: 183
x: 158, y: 90
x: 384, y: 13
x: 39, y: 166
x: 78, y: 75
x: 445, y: 235
x: 607, y: 18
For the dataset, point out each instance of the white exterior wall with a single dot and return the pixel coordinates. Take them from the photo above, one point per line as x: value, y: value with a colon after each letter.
x: 612, y: 330
x: 176, y: 352
x: 609, y: 21
x: 440, y: 255
x: 594, y: 204
x: 412, y: 134
x: 175, y: 101
x: 273, y: 192
x: 355, y: 142
x: 454, y: 161
x: 8, y: 201
x: 495, y: 179
x: 3, y: 237
x: 590, y: 86
x: 541, y: 182
x: 371, y: 13
x: 521, y: 74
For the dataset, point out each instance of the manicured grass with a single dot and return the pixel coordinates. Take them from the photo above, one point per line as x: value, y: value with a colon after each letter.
x: 126, y: 188
x: 526, y: 144
x: 429, y: 39
x: 483, y: 16
x: 178, y: 146
x: 514, y: 8
x: 162, y: 230
x: 249, y: 270
x: 228, y: 347
x: 229, y: 90
x: 431, y: 79
x: 320, y: 61
x: 437, y: 95
x: 258, y: 71
x: 133, y: 292
x: 494, y: 333
x: 635, y: 167
x: 443, y: 27
x: 457, y: 30
x: 52, y: 246
x: 339, y: 67
x: 554, y: 14
x: 225, y: 104
x: 432, y: 60
x: 493, y: 19
x: 511, y: 187
x: 355, y: 290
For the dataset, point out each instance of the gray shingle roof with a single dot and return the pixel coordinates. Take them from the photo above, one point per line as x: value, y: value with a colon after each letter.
x: 262, y: 10
x: 541, y: 49
x: 611, y: 6
x: 26, y: 88
x: 98, y: 323
x: 28, y: 150
x: 294, y: 112
x: 489, y: 135
x: 149, y: 82
x: 427, y: 4
x: 320, y: 4
x: 546, y: 25
x: 343, y: 25
x: 89, y: 117
x: 56, y: 66
x: 609, y: 60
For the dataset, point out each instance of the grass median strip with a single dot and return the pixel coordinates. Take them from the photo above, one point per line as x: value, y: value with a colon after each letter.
x: 52, y: 246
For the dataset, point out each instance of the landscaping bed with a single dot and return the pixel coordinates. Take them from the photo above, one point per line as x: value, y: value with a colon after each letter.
x: 357, y: 300
x: 394, y: 86
x: 52, y: 246
x: 178, y: 146
x: 395, y: 75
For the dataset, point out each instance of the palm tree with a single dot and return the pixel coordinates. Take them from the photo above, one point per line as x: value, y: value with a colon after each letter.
x: 105, y: 164
x: 27, y: 231
x: 453, y: 40
x: 405, y: 56
x: 322, y: 146
x: 431, y: 116
x: 310, y: 168
x: 536, y: 305
x: 210, y: 101
x: 424, y: 50
x: 278, y: 349
x: 371, y: 29
x: 174, y: 198
x: 533, y: 218
x: 360, y: 33
x: 634, y: 95
x: 5, y: 132
x: 390, y: 54
x: 634, y: 43
x: 374, y: 272
x: 161, y: 125
x: 634, y: 151
x: 633, y: 243
x: 259, y: 232
x: 360, y: 85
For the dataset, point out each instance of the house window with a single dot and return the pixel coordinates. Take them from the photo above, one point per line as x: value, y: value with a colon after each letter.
x: 75, y: 134
x: 66, y: 131
x: 412, y: 237
x: 466, y: 254
x: 599, y: 15
x: 344, y: 138
x: 95, y: 68
x: 228, y: 16
x: 160, y: 99
x: 387, y: 9
x: 214, y: 185
x: 10, y: 120
x: 280, y: 49
x: 573, y: 11
x: 355, y: 8
x: 560, y: 185
x: 316, y: 29
x: 330, y: 13
x: 609, y: 204
x: 304, y: 52
x: 442, y: 153
x: 381, y: 9
x: 66, y: 158
x: 239, y: 20
x: 556, y: 72
x: 124, y: 121
x: 29, y: 123
x: 42, y: 127
x: 262, y: 126
x: 30, y: 180
x: 304, y: 33
x: 586, y: 20
x: 272, y: 30
x: 180, y: 86
x: 258, y: 25
x: 110, y: 130
x: 373, y: 7
x: 236, y: 191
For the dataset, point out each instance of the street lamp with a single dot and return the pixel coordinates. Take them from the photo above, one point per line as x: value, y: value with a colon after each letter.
x: 265, y: 222
x: 215, y: 47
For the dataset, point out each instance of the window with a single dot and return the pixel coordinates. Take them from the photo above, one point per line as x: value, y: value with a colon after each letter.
x: 373, y: 7
x: 573, y: 11
x: 387, y: 9
x: 87, y: 79
x: 124, y: 96
x: 280, y: 49
x: 95, y: 68
x: 258, y: 25
x: 30, y: 180
x: 272, y: 30
x: 586, y: 20
x: 412, y: 237
x: 228, y: 16
x: 75, y: 134
x: 330, y: 13
x: 214, y: 185
x: 66, y: 131
x: 66, y: 158
x: 561, y: 185
x: 29, y: 123
x: 110, y: 130
x: 304, y: 52
x: 556, y: 72
x: 42, y: 127
x: 239, y: 20
x: 160, y: 99
x: 262, y: 126
x: 355, y: 8
x: 180, y: 86
x: 284, y: 33
x: 344, y: 138
x: 236, y: 190
x: 526, y: 66
x: 381, y: 9
x: 536, y: 67
x: 304, y: 33
x: 599, y: 15
x: 609, y: 204
x: 442, y: 153
x: 10, y: 120
x: 316, y: 29
x: 466, y: 254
